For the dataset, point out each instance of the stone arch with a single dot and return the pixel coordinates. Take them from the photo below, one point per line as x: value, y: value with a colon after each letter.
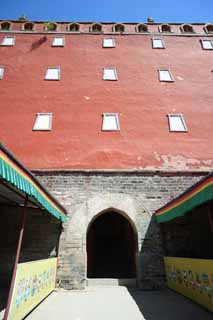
x: 209, y: 28
x: 75, y: 232
x: 28, y: 26
x: 50, y: 26
x: 122, y: 213
x: 129, y: 206
x: 142, y: 28
x: 122, y: 203
x: 187, y: 28
x: 119, y: 27
x: 96, y: 27
x: 5, y: 25
x: 165, y: 28
x: 73, y: 27
x: 112, y: 245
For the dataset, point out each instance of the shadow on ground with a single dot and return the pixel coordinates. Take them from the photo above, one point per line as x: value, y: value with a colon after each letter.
x: 168, y: 305
x: 117, y: 303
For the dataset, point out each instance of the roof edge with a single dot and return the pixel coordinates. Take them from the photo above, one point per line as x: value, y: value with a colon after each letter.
x: 106, y: 22
x: 35, y: 180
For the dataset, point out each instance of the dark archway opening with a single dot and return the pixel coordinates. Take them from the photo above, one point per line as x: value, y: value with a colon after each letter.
x: 111, y: 246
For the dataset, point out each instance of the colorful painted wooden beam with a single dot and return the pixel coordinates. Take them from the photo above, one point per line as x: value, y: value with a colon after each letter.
x: 196, y: 195
x: 14, y: 173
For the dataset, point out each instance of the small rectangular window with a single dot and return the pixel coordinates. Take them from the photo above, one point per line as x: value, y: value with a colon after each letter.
x: 43, y: 122
x: 110, y: 122
x: 108, y: 43
x: 158, y: 44
x: 1, y: 73
x: 8, y: 41
x: 165, y: 75
x: 58, y: 42
x: 110, y: 74
x: 176, y: 122
x: 52, y: 74
x: 207, y: 44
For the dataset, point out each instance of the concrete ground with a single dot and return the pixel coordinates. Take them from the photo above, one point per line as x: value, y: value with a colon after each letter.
x: 118, y: 303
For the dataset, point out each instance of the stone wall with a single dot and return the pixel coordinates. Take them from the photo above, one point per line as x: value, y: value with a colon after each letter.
x: 40, y: 239
x: 190, y: 236
x: 135, y: 195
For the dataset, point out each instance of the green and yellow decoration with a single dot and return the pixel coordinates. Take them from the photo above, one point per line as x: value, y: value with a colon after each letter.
x: 198, y: 194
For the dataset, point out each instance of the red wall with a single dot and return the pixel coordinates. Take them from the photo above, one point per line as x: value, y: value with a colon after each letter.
x: 81, y: 96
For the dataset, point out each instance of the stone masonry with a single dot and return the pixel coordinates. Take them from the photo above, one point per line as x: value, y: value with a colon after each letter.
x: 135, y: 195
x: 40, y: 238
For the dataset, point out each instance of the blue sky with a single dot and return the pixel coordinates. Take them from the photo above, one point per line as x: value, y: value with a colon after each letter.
x: 109, y: 10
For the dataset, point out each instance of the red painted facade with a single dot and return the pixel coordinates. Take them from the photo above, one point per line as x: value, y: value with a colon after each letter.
x: 80, y: 98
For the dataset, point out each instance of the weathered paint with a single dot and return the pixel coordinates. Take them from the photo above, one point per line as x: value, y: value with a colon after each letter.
x: 81, y: 96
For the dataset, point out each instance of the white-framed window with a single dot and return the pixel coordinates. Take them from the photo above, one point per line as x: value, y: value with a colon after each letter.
x: 43, y: 122
x: 8, y: 41
x: 177, y: 123
x: 110, y: 74
x: 1, y: 73
x: 52, y: 74
x: 158, y: 44
x: 108, y: 43
x: 207, y: 44
x: 110, y: 122
x: 58, y: 42
x: 165, y: 76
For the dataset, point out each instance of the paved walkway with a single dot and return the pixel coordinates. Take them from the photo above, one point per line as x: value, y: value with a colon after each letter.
x: 117, y: 303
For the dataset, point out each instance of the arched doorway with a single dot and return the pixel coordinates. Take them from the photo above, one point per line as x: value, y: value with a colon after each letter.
x: 111, y: 246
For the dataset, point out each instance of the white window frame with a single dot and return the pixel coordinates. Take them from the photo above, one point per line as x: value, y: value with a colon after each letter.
x: 157, y: 47
x: 57, y: 45
x: 170, y: 74
x: 113, y: 43
x: 2, y: 74
x: 211, y: 42
x: 8, y: 45
x: 59, y: 74
x: 115, y: 73
x: 181, y: 116
x: 116, y: 115
x: 49, y: 128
